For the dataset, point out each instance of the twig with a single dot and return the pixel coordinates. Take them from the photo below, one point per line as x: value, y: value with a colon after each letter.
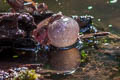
x: 99, y: 34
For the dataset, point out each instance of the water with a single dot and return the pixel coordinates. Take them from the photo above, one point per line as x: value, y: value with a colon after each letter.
x: 106, y: 17
x: 105, y: 13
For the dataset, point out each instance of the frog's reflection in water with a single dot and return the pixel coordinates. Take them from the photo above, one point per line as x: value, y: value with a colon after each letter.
x: 65, y: 60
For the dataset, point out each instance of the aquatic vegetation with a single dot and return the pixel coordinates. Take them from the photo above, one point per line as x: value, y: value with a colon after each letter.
x: 83, y: 56
x: 27, y: 75
x: 15, y: 56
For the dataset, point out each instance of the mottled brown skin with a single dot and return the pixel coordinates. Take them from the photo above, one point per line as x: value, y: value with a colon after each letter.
x: 41, y: 32
x: 65, y: 60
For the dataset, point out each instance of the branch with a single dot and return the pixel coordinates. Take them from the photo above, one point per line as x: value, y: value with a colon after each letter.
x: 99, y: 34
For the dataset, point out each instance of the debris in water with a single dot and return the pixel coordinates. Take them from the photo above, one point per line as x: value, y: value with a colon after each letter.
x: 90, y: 7
x: 106, y: 44
x: 110, y: 25
x: 59, y: 3
x: 113, y: 1
x: 99, y: 20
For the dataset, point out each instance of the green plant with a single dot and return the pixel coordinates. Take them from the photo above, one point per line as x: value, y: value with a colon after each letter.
x: 84, y: 56
x: 27, y: 75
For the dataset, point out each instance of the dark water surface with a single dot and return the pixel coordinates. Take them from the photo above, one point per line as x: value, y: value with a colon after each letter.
x: 108, y: 13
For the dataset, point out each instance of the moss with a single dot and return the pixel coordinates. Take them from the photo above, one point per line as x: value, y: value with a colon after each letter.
x: 27, y: 75
x: 83, y: 56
